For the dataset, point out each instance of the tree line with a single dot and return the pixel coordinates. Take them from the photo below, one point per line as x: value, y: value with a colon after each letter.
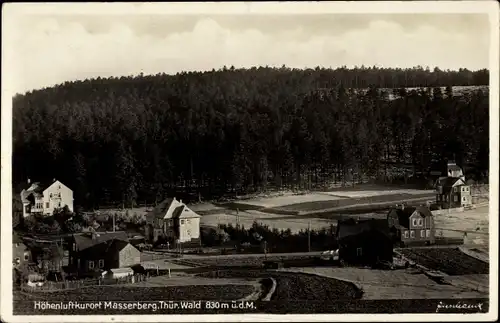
x: 136, y: 139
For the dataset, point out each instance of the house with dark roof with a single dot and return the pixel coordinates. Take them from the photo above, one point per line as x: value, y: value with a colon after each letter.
x: 107, y: 255
x: 46, y: 197
x: 172, y: 220
x: 79, y: 244
x: 364, y: 242
x: 452, y: 192
x: 411, y: 225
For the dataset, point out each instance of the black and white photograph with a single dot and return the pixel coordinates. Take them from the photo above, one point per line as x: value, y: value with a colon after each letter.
x: 250, y: 161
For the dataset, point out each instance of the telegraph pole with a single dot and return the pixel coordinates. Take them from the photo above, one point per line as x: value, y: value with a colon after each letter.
x: 309, y: 236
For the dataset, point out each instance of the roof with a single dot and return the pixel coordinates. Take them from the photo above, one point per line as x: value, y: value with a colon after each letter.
x: 187, y: 213
x: 405, y: 214
x: 36, y: 189
x: 352, y: 227
x: 84, y: 241
x: 126, y: 270
x: 447, y: 183
x: 106, y: 247
x: 161, y: 209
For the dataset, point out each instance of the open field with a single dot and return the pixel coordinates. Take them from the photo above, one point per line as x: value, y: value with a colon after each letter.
x: 349, y: 202
x: 475, y: 222
x: 392, y: 284
x: 274, y: 221
x: 447, y: 260
x: 320, y: 200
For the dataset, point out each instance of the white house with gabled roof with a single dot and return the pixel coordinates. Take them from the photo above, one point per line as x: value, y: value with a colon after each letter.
x: 46, y: 197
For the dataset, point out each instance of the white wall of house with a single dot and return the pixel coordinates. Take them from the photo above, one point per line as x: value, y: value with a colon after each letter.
x: 189, y: 225
x: 57, y: 196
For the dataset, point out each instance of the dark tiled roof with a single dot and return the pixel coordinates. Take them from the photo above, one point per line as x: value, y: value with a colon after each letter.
x: 84, y: 241
x: 447, y: 183
x: 178, y: 212
x: 352, y: 227
x: 160, y: 210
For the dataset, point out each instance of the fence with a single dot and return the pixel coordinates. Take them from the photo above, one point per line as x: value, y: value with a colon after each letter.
x: 76, y: 284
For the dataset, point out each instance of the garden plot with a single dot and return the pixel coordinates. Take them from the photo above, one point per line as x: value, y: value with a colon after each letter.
x: 451, y: 261
x: 274, y: 221
x: 475, y: 222
x: 392, y: 284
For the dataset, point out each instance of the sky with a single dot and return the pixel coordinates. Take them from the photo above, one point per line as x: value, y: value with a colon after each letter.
x: 51, y: 49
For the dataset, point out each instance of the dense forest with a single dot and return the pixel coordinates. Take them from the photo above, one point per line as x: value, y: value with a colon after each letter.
x: 135, y: 139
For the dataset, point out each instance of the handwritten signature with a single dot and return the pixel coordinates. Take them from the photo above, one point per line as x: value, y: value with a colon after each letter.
x: 459, y: 305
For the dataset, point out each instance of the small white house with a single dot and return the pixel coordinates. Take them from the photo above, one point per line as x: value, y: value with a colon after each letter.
x: 44, y: 198
x: 174, y: 219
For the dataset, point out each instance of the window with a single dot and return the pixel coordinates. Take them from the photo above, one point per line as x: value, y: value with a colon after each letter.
x: 59, y: 205
x: 439, y: 198
x: 91, y: 264
x: 464, y: 199
x: 50, y: 195
x: 467, y: 189
x: 422, y: 233
x: 101, y: 263
x: 26, y: 256
x: 47, y: 205
x: 74, y: 246
x: 420, y: 222
x: 182, y: 221
x: 427, y: 233
x: 412, y: 234
x: 406, y: 234
x: 455, y: 189
x: 455, y: 198
x: 414, y: 222
x: 17, y: 260
x: 359, y: 251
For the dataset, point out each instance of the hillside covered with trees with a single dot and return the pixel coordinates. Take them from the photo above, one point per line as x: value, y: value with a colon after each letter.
x: 135, y: 139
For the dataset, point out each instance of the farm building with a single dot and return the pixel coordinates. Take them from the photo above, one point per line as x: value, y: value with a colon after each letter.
x: 79, y: 243
x: 107, y: 255
x: 46, y: 197
x: 453, y: 192
x: 411, y: 225
x: 364, y: 242
x: 172, y: 220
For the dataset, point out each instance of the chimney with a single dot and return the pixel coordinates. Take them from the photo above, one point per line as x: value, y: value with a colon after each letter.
x: 180, y: 201
x: 29, y: 181
x: 53, y: 180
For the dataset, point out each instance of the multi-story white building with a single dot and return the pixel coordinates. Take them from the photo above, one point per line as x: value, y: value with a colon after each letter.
x: 45, y: 198
x: 173, y: 219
